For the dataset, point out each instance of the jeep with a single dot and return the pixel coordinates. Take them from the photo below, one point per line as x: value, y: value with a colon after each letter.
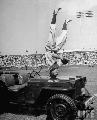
x: 60, y: 98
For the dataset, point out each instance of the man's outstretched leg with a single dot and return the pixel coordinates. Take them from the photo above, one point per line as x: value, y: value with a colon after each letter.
x: 51, y: 40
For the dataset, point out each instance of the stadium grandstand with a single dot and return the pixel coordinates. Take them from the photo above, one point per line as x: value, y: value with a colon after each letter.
x: 34, y: 60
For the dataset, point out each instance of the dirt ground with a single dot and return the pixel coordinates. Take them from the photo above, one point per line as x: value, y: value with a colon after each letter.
x: 89, y: 72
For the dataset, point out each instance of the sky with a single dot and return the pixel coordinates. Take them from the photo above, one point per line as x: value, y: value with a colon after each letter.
x: 82, y: 31
x: 24, y: 25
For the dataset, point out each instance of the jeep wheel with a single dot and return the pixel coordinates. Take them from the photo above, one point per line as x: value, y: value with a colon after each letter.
x: 61, y: 107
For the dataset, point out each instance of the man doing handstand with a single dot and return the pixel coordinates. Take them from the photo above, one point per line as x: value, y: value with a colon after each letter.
x: 54, y: 45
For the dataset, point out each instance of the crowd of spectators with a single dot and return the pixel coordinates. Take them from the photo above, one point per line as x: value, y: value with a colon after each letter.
x: 34, y: 60
x: 81, y: 57
x: 21, y: 61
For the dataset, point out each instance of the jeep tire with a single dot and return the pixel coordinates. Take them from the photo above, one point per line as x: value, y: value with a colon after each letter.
x: 61, y: 107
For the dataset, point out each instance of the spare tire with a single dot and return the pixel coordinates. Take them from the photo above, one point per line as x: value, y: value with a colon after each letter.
x: 61, y: 107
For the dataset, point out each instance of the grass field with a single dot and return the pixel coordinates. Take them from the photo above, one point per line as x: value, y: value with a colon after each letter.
x: 79, y: 70
x: 89, y: 72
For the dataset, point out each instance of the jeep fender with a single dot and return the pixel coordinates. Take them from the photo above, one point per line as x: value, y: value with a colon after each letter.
x: 47, y: 92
